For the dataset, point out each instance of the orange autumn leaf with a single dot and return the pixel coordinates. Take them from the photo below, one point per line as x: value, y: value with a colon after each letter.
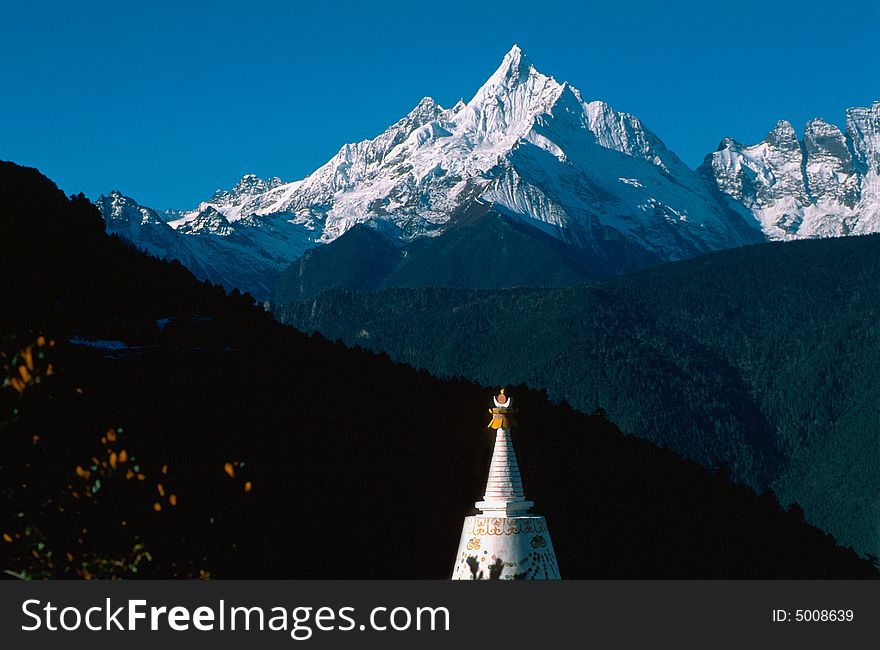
x: 172, y: 499
x: 248, y: 486
x: 7, y: 537
x: 164, y: 469
x: 113, y: 459
x: 123, y: 456
x: 229, y: 469
x: 25, y: 375
x: 28, y: 357
x: 157, y: 507
x: 161, y: 489
x: 111, y: 435
x: 41, y: 341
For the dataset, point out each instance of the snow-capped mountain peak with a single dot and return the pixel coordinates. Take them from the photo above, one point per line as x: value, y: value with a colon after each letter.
x: 509, y: 100
x: 783, y: 136
x: 209, y: 221
x: 863, y: 130
x: 578, y: 170
x: 514, y: 70
x: 248, y: 185
x: 116, y: 207
x: 829, y: 165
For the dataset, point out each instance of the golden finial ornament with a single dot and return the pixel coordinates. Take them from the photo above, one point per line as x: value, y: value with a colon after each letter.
x: 502, y: 413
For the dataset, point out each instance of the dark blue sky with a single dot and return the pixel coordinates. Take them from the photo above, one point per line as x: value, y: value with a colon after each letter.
x: 167, y: 101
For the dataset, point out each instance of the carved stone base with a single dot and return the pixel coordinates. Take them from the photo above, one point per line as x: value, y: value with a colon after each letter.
x: 505, y: 548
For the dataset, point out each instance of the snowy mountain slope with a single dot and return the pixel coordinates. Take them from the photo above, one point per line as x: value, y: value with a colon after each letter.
x: 579, y: 171
x: 534, y: 146
x: 826, y: 184
x: 246, y: 253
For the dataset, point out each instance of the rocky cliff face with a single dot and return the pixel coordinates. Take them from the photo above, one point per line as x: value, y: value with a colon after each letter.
x: 825, y: 184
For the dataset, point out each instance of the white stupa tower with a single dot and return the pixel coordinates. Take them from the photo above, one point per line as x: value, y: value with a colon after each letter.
x: 504, y: 541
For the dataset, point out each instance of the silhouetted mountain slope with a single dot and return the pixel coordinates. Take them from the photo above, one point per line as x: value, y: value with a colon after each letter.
x: 765, y: 357
x: 360, y: 259
x: 145, y: 432
x: 481, y: 247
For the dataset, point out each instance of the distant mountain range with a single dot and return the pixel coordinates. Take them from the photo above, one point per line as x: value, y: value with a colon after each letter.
x: 550, y: 164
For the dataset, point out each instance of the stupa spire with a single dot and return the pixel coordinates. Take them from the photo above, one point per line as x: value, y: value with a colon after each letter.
x: 504, y: 494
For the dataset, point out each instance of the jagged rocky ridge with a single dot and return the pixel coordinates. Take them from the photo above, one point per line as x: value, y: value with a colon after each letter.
x: 826, y: 184
x: 592, y: 177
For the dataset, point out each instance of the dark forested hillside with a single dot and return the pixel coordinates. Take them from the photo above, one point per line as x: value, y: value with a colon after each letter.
x: 766, y: 358
x: 151, y: 425
x: 360, y: 259
x: 480, y: 247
